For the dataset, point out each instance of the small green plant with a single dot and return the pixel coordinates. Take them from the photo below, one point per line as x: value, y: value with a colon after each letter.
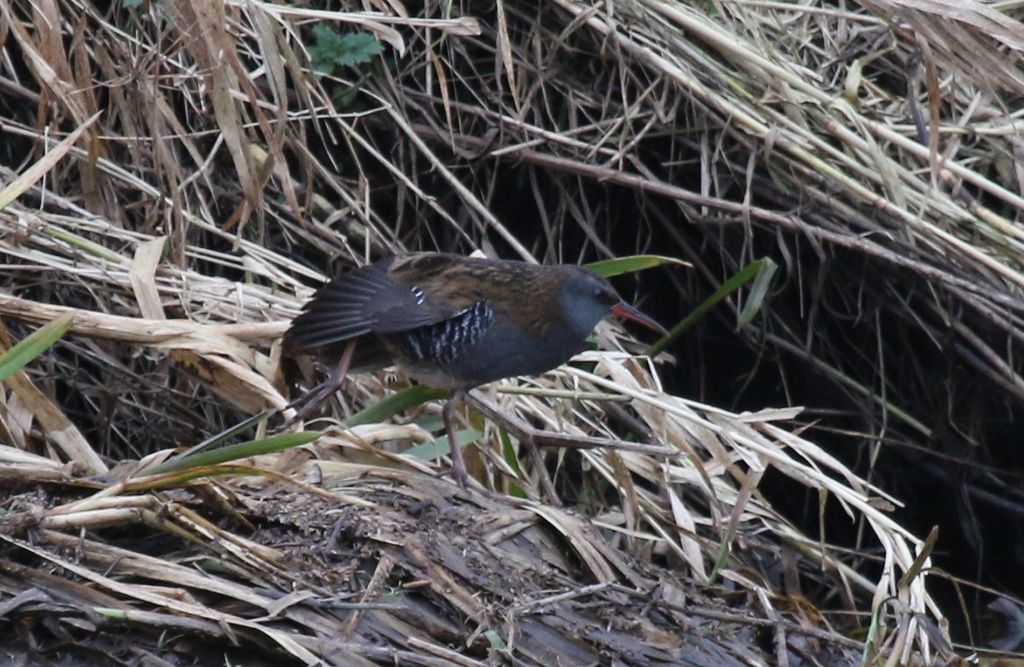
x: 333, y: 50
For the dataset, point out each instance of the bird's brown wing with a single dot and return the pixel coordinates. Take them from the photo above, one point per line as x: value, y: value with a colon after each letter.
x: 388, y: 296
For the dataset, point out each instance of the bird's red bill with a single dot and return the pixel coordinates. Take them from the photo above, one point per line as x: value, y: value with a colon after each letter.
x: 627, y: 312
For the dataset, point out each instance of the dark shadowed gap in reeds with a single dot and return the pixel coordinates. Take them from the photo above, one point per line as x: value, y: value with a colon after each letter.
x: 870, y: 150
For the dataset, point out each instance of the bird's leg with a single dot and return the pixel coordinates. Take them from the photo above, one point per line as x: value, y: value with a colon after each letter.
x: 448, y: 414
x: 306, y: 404
x: 525, y: 433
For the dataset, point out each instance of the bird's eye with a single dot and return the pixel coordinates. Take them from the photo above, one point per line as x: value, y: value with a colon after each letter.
x: 606, y: 295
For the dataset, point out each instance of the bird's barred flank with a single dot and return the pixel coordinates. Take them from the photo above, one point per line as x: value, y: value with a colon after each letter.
x: 443, y: 342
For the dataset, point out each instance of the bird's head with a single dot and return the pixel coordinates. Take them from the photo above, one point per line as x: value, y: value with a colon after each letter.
x: 587, y: 298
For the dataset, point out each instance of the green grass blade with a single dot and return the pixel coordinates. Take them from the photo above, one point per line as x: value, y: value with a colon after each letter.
x: 274, y: 443
x: 33, y: 345
x: 631, y: 264
x: 431, y: 451
x: 758, y: 291
x: 738, y: 279
x: 84, y: 245
x: 394, y: 404
x: 223, y: 436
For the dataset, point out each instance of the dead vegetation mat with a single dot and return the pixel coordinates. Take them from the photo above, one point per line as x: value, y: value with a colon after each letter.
x: 418, y: 574
x: 177, y: 176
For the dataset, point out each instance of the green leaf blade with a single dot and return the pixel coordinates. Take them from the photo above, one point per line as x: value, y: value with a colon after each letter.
x: 752, y: 271
x: 431, y: 451
x: 394, y: 404
x: 631, y: 264
x: 269, y: 445
x: 758, y: 291
x: 33, y: 345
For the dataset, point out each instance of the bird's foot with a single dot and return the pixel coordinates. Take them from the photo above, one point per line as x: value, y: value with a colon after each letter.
x: 304, y: 405
x: 459, y: 473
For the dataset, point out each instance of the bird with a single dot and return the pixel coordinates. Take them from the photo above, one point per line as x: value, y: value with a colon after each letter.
x: 454, y: 323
